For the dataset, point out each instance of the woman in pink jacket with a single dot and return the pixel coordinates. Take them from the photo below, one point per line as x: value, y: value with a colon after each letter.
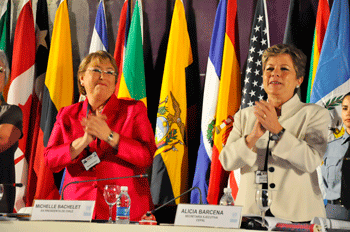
x: 118, y: 131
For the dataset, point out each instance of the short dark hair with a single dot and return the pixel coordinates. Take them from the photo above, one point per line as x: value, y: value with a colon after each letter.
x: 346, y: 95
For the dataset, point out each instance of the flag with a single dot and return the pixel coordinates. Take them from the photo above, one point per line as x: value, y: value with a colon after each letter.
x: 132, y: 83
x: 5, y: 18
x: 123, y: 31
x: 99, y: 40
x: 36, y: 160
x: 331, y: 82
x: 22, y: 73
x: 169, y: 173
x: 58, y: 92
x: 210, y: 98
x: 253, y: 89
x: 323, y: 13
x: 299, y: 32
x: 221, y: 70
x: 5, y: 27
x: 228, y: 104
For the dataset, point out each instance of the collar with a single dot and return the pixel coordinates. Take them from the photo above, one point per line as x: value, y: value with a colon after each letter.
x: 345, y: 137
x: 290, y: 106
x: 110, y: 105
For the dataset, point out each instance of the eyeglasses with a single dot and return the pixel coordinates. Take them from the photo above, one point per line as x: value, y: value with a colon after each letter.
x: 2, y: 70
x: 99, y: 71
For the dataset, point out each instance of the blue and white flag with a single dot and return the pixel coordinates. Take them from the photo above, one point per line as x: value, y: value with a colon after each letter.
x: 99, y: 40
x: 332, y: 76
x: 210, y: 99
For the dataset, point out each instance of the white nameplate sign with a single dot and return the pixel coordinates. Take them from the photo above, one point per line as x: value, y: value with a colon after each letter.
x: 62, y: 210
x: 208, y: 215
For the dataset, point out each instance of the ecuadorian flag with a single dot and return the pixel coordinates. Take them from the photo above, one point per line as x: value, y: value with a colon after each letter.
x: 170, y: 172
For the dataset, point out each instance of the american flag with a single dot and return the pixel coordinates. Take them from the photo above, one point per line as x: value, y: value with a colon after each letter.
x: 259, y: 40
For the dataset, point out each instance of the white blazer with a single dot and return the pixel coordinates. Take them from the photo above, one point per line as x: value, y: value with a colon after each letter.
x: 292, y: 165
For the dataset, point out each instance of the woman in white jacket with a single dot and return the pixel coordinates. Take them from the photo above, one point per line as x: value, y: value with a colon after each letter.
x: 296, y: 134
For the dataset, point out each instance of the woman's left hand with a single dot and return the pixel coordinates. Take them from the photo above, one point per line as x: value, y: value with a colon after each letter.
x: 97, y: 126
x: 267, y: 116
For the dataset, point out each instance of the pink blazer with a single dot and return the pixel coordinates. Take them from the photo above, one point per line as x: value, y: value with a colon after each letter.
x: 133, y: 156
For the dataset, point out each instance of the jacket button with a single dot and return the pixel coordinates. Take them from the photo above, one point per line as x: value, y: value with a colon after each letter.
x: 272, y: 185
x: 271, y: 169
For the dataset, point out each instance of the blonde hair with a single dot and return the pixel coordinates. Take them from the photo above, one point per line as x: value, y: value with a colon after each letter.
x: 298, y: 57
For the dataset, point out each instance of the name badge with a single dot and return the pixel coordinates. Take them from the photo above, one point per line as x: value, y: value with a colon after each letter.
x: 91, y: 161
x: 261, y: 177
x: 208, y: 215
x: 61, y: 210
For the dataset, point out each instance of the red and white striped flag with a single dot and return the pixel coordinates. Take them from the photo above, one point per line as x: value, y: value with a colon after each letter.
x: 21, y: 89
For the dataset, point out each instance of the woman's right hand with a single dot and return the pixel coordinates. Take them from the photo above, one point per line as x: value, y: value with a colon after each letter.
x: 87, y: 138
x: 78, y: 145
x: 257, y: 132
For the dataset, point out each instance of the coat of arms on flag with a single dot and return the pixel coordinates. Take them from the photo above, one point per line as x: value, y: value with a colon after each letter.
x: 170, y: 129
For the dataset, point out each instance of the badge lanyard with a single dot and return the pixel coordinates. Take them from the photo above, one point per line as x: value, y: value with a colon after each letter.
x: 261, y: 175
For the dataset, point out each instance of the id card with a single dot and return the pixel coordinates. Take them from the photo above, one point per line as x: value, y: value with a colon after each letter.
x: 91, y: 161
x: 261, y: 177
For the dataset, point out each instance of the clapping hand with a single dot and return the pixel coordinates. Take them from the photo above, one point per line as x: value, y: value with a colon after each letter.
x: 266, y: 119
x: 266, y: 114
x: 96, y: 125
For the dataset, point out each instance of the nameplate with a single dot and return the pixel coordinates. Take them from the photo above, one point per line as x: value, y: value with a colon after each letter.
x: 62, y: 210
x: 208, y: 215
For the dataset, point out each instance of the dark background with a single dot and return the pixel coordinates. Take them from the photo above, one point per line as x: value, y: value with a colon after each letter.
x: 157, y: 16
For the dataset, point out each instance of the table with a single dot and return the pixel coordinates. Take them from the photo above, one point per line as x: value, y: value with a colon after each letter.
x: 55, y: 226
